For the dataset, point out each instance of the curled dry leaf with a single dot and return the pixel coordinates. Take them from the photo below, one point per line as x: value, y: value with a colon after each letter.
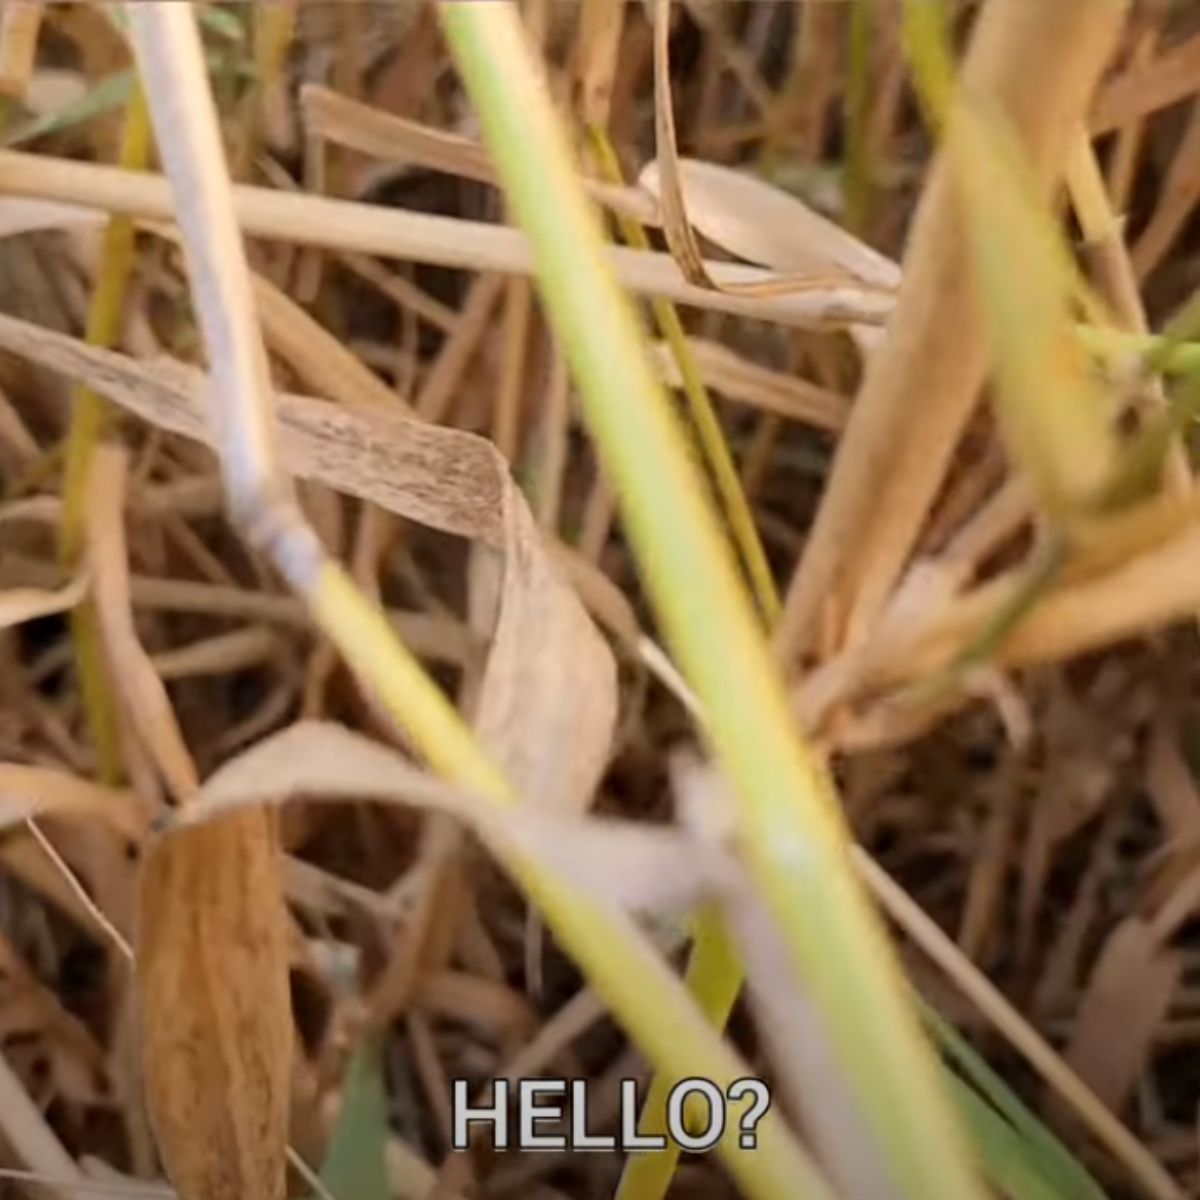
x: 549, y: 668
x: 215, y: 1007
x: 765, y: 225
x: 814, y: 252
x: 548, y: 703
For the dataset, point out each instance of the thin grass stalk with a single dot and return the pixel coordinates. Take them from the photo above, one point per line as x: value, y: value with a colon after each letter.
x: 714, y: 979
x: 709, y: 435
x: 714, y: 976
x: 647, y: 999
x: 793, y: 833
x: 621, y: 962
x: 89, y: 416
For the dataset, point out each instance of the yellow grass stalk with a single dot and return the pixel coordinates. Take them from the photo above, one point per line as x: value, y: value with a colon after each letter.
x: 88, y: 418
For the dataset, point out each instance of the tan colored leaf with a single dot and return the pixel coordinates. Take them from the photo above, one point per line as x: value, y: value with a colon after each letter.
x: 1126, y: 998
x: 215, y: 1008
x: 43, y: 791
x: 321, y: 761
x: 18, y: 605
x: 549, y: 669
x: 766, y: 225
x: 548, y: 702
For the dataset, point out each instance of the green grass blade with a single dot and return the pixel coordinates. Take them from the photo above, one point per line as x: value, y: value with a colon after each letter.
x: 792, y: 828
x: 355, y: 1166
x: 110, y: 94
x: 1041, y: 1149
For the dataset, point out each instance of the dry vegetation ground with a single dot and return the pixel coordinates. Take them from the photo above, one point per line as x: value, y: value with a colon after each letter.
x: 1028, y: 771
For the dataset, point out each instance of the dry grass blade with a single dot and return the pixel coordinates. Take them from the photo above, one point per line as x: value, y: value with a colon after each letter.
x: 743, y: 380
x: 1147, y: 85
x: 215, y: 1007
x: 141, y: 690
x: 383, y: 135
x: 321, y: 760
x: 317, y: 357
x: 1038, y: 65
x: 443, y: 478
x: 368, y: 229
x: 673, y: 187
x: 348, y: 122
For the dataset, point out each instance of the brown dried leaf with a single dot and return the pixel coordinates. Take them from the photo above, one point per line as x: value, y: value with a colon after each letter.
x: 215, y: 1008
x: 1129, y: 991
x: 43, y: 791
x: 549, y: 666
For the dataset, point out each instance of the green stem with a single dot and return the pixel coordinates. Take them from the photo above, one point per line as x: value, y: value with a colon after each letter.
x: 793, y: 835
x: 709, y: 434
